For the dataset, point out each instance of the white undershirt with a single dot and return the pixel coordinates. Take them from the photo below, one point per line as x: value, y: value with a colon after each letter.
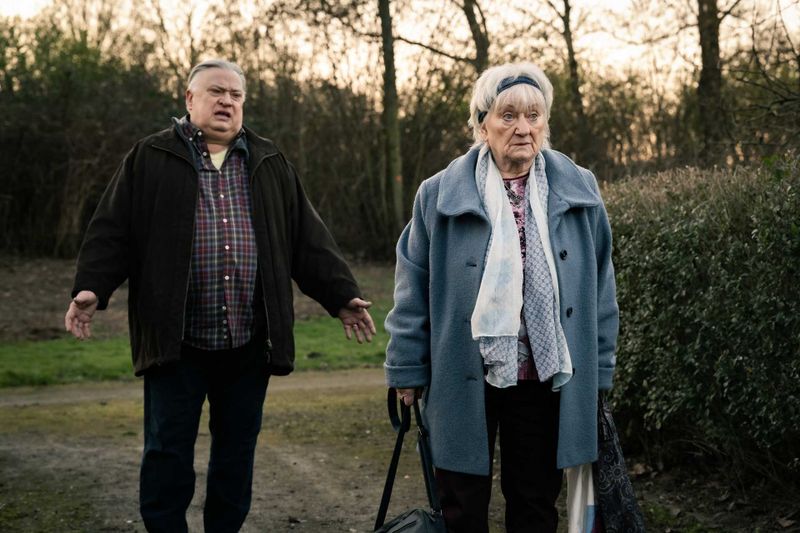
x: 219, y: 158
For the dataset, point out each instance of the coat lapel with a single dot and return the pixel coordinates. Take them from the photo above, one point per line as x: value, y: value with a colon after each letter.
x: 568, y: 188
x: 458, y: 193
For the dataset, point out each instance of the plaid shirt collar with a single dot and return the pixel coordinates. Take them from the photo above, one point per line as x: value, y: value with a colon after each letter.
x: 193, y: 137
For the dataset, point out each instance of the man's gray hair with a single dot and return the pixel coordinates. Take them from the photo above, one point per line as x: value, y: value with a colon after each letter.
x: 216, y: 63
x: 485, y: 97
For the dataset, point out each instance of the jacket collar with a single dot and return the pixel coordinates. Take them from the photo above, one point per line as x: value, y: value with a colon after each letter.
x: 458, y: 192
x: 258, y: 147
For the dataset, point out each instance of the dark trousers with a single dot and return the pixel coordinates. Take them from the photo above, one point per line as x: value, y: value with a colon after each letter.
x: 527, y: 418
x: 235, y: 382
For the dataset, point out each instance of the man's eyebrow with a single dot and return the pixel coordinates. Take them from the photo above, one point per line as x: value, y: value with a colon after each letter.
x: 222, y: 87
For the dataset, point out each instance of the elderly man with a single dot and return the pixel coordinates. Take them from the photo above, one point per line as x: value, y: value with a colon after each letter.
x: 209, y: 223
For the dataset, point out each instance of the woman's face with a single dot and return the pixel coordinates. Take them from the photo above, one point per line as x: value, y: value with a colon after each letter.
x: 514, y: 135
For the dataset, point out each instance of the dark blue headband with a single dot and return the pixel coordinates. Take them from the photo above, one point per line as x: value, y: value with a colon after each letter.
x: 507, y: 83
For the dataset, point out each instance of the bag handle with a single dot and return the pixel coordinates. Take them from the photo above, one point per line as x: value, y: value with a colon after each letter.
x: 427, y: 461
x: 401, y: 425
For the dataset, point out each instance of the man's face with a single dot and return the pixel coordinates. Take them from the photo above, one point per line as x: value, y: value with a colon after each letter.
x: 214, y: 101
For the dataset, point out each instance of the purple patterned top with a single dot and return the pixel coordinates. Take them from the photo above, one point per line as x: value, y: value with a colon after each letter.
x: 515, y: 189
x: 219, y: 312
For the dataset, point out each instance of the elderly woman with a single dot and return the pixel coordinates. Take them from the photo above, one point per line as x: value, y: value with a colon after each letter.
x: 505, y: 311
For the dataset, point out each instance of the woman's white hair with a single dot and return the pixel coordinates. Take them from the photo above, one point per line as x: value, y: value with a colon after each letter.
x: 485, y: 99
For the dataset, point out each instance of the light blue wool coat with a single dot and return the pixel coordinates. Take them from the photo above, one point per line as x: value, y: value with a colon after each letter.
x: 440, y: 259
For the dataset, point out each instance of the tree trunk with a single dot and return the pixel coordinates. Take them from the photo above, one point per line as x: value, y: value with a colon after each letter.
x: 391, y: 126
x: 709, y: 89
x: 583, y: 138
x: 479, y: 35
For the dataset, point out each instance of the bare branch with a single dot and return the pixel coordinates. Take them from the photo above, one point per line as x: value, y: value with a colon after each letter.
x: 729, y: 10
x: 657, y: 37
x: 435, y: 50
x: 795, y: 51
x: 555, y: 9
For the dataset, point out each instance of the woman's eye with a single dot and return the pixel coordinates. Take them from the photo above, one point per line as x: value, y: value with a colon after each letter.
x: 508, y: 116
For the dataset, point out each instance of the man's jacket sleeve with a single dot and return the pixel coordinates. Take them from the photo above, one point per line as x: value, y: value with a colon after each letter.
x: 318, y: 266
x: 103, y: 260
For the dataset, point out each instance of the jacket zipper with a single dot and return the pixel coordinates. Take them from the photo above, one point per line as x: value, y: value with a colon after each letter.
x: 268, y: 342
x: 191, y: 242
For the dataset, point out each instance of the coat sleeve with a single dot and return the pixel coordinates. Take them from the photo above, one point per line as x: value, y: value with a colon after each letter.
x: 408, y: 323
x: 103, y: 260
x: 607, y: 308
x: 318, y: 266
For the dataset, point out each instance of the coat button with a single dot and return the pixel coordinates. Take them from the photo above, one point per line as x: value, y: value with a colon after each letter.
x: 562, y: 254
x: 569, y: 312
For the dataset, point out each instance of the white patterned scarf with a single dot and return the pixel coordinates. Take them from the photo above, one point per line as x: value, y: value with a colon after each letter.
x: 508, y: 291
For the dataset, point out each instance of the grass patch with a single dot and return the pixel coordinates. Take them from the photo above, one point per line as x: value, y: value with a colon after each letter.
x: 104, y: 422
x: 320, y: 345
x: 64, y: 361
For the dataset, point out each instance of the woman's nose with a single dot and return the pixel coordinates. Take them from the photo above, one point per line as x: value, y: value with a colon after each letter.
x: 522, y: 126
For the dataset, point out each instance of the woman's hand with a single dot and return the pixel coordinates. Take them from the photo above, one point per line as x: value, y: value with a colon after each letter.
x: 407, y: 396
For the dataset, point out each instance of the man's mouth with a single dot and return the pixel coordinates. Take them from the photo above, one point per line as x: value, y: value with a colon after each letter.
x: 222, y: 114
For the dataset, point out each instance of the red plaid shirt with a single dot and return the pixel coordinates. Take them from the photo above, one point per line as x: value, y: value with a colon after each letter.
x: 219, y: 312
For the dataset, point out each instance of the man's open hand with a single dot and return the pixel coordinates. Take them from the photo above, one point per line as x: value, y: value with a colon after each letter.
x: 356, y: 320
x: 78, y: 319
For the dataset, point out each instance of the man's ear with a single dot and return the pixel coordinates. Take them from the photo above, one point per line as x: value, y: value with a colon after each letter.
x: 189, y: 97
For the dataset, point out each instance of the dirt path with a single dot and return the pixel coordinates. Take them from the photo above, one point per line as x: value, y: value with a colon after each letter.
x: 299, y: 485
x: 69, y: 458
x: 132, y: 390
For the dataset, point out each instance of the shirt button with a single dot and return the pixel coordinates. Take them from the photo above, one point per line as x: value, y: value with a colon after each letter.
x: 227, y: 247
x: 224, y: 307
x: 222, y: 196
x: 205, y: 154
x: 224, y: 321
x: 199, y: 133
x: 191, y: 138
x: 225, y: 220
x: 227, y: 278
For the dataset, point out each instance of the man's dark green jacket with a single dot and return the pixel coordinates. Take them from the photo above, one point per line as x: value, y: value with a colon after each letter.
x: 143, y: 228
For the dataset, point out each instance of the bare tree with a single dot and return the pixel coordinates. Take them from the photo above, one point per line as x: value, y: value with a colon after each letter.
x: 769, y: 73
x: 390, y: 110
x: 709, y: 88
x: 480, y: 35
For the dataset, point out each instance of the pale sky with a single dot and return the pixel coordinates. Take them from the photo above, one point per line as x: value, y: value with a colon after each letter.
x: 23, y: 8
x: 598, y: 47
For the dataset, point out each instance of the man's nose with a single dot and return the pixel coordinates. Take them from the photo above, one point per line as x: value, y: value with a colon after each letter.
x: 226, y: 98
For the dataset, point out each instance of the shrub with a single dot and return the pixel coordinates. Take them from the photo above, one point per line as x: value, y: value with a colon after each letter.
x: 707, y: 269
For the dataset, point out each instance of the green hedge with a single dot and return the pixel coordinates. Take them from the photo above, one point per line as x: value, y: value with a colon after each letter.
x: 708, y: 273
